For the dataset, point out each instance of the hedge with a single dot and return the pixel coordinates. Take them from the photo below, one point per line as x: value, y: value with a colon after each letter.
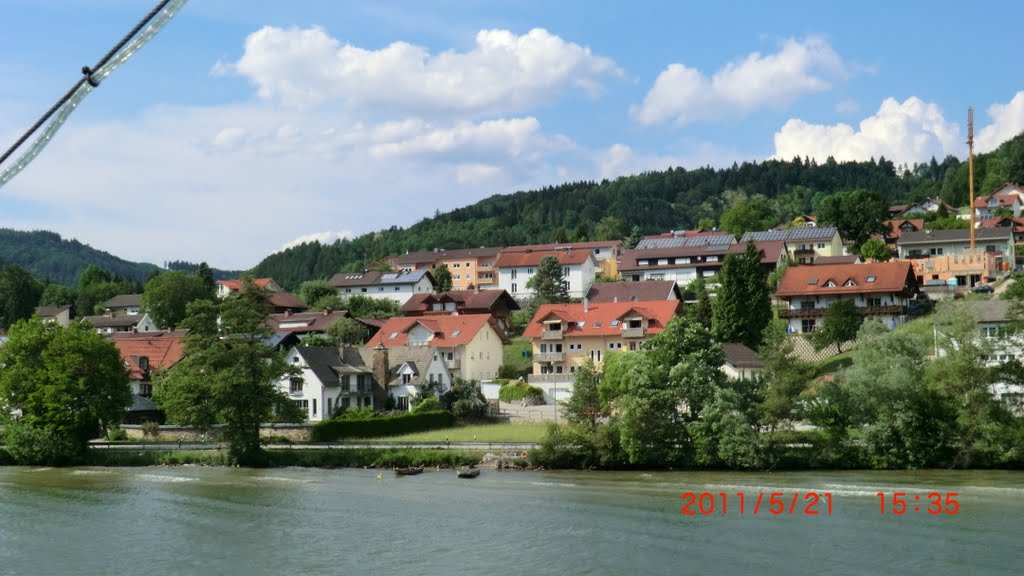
x: 515, y: 391
x: 333, y: 430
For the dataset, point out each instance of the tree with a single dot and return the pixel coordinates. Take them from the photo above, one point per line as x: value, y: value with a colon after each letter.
x: 313, y: 291
x: 701, y: 310
x: 857, y: 214
x: 229, y: 375
x: 166, y: 296
x: 19, y: 294
x: 875, y: 249
x: 68, y: 383
x: 841, y: 323
x: 1002, y: 212
x: 584, y: 406
x: 749, y: 215
x: 359, y: 306
x: 635, y: 236
x: 204, y: 272
x: 347, y: 332
x: 785, y: 375
x: 742, y: 308
x: 57, y: 295
x: 610, y: 228
x: 549, y: 282
x: 443, y: 278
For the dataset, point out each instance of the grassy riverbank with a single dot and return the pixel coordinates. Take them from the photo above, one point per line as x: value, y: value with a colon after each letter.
x: 525, y: 432
x: 314, y: 458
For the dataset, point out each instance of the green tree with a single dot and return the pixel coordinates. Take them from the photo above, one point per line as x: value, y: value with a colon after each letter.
x: 204, y: 272
x: 857, y: 214
x: 68, y: 383
x: 1002, y: 212
x: 747, y: 216
x: 841, y: 323
x: 701, y: 309
x: 611, y: 228
x: 313, y: 292
x: 229, y: 376
x: 706, y: 223
x: 19, y: 294
x: 57, y: 295
x: 443, y: 278
x: 166, y: 296
x: 584, y: 406
x: 875, y: 249
x: 724, y: 435
x: 635, y: 236
x: 949, y: 223
x: 741, y: 307
x: 359, y: 306
x: 347, y: 332
x: 785, y: 375
x: 549, y: 282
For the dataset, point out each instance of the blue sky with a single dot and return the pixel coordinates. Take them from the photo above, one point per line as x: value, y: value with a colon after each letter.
x: 247, y: 125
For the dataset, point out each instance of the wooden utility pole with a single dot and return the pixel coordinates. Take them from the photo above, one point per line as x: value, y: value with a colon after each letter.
x: 970, y: 168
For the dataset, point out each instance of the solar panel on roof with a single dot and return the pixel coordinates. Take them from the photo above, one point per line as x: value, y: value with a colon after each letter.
x: 692, y: 242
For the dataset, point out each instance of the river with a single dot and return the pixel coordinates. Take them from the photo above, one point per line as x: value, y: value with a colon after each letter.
x: 199, y: 520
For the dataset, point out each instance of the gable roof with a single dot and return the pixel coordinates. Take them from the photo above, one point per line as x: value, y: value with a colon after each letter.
x: 124, y: 301
x: 740, y: 356
x: 303, y: 322
x: 416, y: 357
x: 1001, y: 196
x: 631, y: 258
x: 958, y: 235
x: 844, y: 259
x: 597, y: 318
x: 533, y: 257
x: 791, y: 234
x: 104, y: 321
x: 719, y: 239
x: 868, y: 278
x: 51, y: 311
x: 374, y: 277
x: 163, y: 349
x: 995, y: 310
x: 430, y: 256
x: 896, y: 226
x: 634, y: 291
x: 326, y: 363
x: 464, y: 300
x: 286, y: 300
x: 236, y: 284
x: 449, y: 331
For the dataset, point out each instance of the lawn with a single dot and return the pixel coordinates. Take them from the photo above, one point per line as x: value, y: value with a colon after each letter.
x: 525, y: 432
x: 516, y: 353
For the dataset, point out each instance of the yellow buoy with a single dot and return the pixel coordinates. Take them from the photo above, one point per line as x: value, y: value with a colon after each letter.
x: 379, y: 476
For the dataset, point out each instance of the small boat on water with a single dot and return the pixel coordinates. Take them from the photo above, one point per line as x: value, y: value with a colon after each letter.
x: 408, y: 471
x: 467, y: 472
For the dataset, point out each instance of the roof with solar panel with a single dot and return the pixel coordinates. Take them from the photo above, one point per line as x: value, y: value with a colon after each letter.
x: 723, y: 240
x: 791, y: 234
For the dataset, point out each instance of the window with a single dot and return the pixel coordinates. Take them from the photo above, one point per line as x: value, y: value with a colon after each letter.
x: 636, y: 323
x: 296, y: 387
x: 935, y: 251
x: 393, y: 335
x: 397, y: 288
x: 314, y: 406
x: 850, y: 282
x: 145, y: 389
x: 346, y: 383
x: 632, y: 345
x: 514, y: 288
x: 807, y: 325
x: 991, y: 331
x: 529, y: 270
x: 874, y: 301
x: 615, y: 323
x: 830, y: 284
x: 402, y: 403
x: 303, y: 405
x: 144, y: 363
x: 329, y: 411
x: 456, y: 265
x: 349, y: 290
x: 406, y: 378
x: 565, y: 284
x: 363, y: 289
x: 361, y: 383
x: 455, y: 277
x: 821, y: 245
x: 615, y: 345
x: 345, y: 402
x: 572, y: 369
x: 467, y: 264
x: 990, y: 248
x: 871, y: 278
x: 380, y: 289
x: 513, y: 277
x: 565, y: 271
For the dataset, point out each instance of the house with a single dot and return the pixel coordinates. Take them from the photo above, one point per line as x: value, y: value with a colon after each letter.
x: 773, y: 254
x: 740, y: 361
x: 945, y: 256
x: 642, y: 290
x: 803, y: 245
x: 470, y: 267
x: 802, y: 221
x: 302, y: 323
x: 411, y: 371
x: 396, y: 286
x: 283, y: 302
x: 844, y: 259
x: 920, y: 208
x: 1016, y: 224
x: 899, y: 227
x: 579, y: 268
x: 146, y: 353
x: 497, y: 303
x: 879, y: 290
x: 1009, y: 196
x: 471, y: 344
x: 564, y: 336
x: 107, y: 324
x: 124, y: 305
x: 606, y: 253
x: 679, y: 259
x: 59, y: 314
x: 226, y: 288
x: 326, y: 383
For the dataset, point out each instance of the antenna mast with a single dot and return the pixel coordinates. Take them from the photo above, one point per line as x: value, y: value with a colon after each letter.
x: 970, y: 168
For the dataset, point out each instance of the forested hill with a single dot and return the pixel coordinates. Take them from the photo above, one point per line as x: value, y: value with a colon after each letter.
x: 655, y: 201
x: 49, y: 257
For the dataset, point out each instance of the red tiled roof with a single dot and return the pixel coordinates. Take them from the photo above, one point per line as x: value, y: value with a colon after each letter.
x: 163, y: 350
x: 771, y: 250
x: 1003, y: 199
x: 448, y: 331
x: 812, y: 280
x: 894, y: 226
x: 597, y: 319
x: 565, y: 257
x: 641, y: 291
x: 1016, y: 223
x: 236, y: 285
x: 464, y: 300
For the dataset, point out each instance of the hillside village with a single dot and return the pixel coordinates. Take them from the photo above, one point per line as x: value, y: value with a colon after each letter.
x: 454, y: 312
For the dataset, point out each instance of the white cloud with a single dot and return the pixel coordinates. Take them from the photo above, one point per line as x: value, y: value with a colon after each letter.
x: 1007, y: 122
x: 513, y: 137
x: 326, y: 237
x: 847, y: 106
x: 502, y: 73
x: 684, y: 95
x: 911, y: 131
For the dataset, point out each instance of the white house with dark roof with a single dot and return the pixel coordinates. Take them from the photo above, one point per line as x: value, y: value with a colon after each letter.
x: 411, y: 371
x: 515, y: 269
x: 124, y: 305
x: 397, y: 286
x: 107, y: 324
x: 326, y: 383
x: 678, y: 259
x: 740, y: 361
x: 59, y: 314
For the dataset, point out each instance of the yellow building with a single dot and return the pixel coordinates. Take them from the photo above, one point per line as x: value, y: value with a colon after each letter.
x: 470, y: 267
x: 803, y: 245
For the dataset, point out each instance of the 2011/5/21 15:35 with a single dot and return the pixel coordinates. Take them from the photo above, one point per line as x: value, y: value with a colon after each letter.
x: 938, y: 503
x: 776, y: 503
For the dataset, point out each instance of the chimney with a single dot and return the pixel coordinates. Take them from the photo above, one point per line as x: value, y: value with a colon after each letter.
x: 476, y: 289
x: 616, y: 300
x: 586, y: 305
x: 381, y: 376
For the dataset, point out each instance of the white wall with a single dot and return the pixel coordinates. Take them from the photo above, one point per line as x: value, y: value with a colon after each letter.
x: 580, y: 277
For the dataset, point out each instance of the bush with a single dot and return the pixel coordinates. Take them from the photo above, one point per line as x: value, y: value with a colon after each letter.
x: 428, y: 405
x: 516, y: 391
x: 356, y: 414
x: 278, y: 439
x: 33, y: 446
x: 513, y: 371
x: 150, y: 429
x: 116, y: 434
x: 341, y: 428
x: 469, y: 409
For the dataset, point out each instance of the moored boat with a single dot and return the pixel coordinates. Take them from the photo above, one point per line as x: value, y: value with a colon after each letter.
x: 467, y: 472
x: 408, y: 471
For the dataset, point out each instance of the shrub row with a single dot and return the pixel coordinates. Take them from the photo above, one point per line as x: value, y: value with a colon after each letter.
x: 333, y: 430
x: 515, y: 391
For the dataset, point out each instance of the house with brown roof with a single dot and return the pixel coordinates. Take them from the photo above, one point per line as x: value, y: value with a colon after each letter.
x: 900, y: 226
x: 564, y: 336
x: 302, y: 323
x: 471, y: 344
x: 470, y: 267
x: 1016, y: 224
x: 146, y: 354
x: 227, y: 287
x: 59, y: 314
x: 515, y: 268
x: 108, y: 324
x: 124, y: 305
x: 679, y: 259
x: 286, y: 302
x: 740, y: 361
x: 395, y: 286
x: 412, y: 370
x: 1009, y: 196
x: 606, y: 253
x: 920, y: 208
x: 945, y: 257
x: 497, y: 303
x: 879, y: 290
x: 640, y: 291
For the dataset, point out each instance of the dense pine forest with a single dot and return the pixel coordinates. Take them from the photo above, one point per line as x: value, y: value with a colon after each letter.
x: 655, y: 202
x: 49, y: 257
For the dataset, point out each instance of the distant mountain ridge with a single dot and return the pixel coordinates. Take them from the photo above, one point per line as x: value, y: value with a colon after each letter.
x: 49, y: 257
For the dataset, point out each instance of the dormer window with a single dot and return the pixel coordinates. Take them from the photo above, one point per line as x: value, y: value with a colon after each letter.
x: 850, y: 282
x: 830, y: 284
x: 635, y: 323
x: 144, y: 363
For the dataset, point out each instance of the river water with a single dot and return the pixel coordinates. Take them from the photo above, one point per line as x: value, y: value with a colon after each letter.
x: 197, y: 520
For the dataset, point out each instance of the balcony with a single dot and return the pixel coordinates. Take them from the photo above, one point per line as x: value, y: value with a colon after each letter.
x: 453, y: 364
x: 802, y: 313
x: 806, y: 313
x: 550, y: 378
x: 633, y: 332
x: 804, y: 250
x: 883, y: 310
x: 549, y: 357
x: 551, y: 335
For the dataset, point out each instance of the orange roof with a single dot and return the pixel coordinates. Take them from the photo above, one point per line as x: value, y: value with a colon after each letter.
x: 830, y: 279
x: 236, y: 285
x: 163, y: 350
x: 894, y: 226
x: 598, y: 318
x: 565, y: 257
x: 449, y: 331
x: 1003, y: 199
